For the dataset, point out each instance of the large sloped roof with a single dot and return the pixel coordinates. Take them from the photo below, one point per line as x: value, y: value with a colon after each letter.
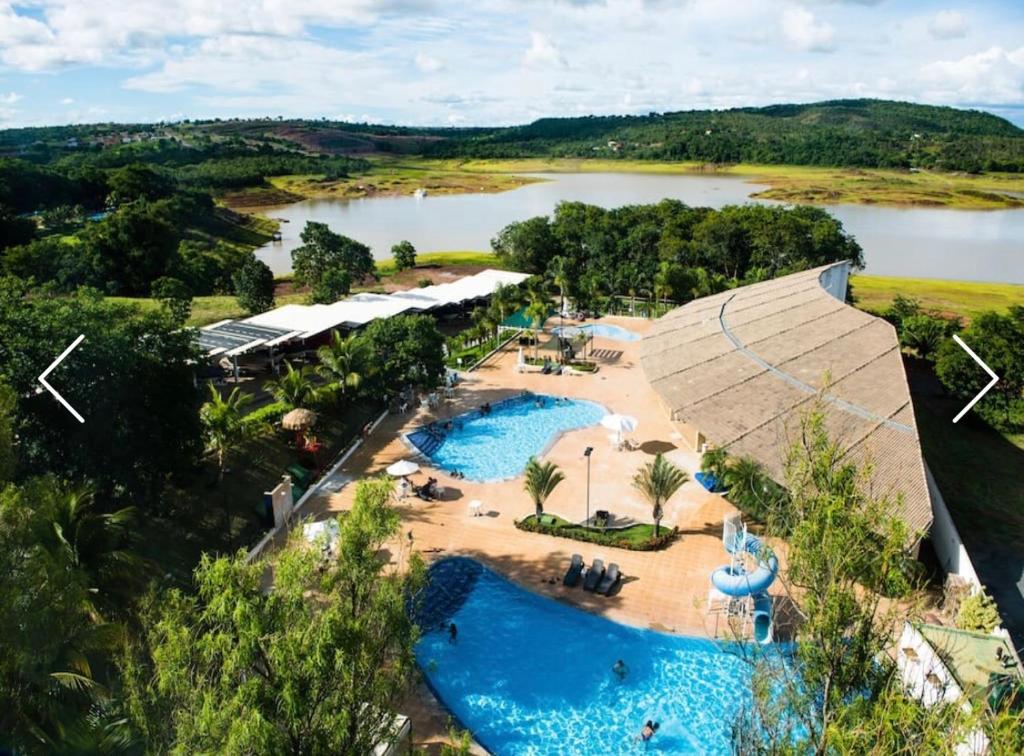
x: 742, y: 365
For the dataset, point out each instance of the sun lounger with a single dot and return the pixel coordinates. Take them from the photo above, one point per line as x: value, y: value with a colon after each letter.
x: 594, y: 575
x: 610, y: 579
x: 572, y: 575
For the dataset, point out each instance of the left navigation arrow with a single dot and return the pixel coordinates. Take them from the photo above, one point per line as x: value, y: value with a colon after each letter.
x: 53, y: 365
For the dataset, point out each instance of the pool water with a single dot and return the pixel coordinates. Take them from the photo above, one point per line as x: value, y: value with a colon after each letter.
x: 604, y: 330
x: 529, y: 675
x: 498, y: 445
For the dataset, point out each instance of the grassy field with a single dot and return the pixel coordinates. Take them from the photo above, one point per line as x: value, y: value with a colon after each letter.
x: 963, y: 298
x: 389, y: 177
x: 794, y: 183
x: 386, y: 268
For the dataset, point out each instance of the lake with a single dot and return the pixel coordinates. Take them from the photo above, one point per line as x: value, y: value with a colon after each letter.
x: 924, y: 242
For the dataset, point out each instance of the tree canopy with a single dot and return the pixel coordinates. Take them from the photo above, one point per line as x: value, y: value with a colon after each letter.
x: 408, y: 351
x: 315, y: 665
x: 328, y: 262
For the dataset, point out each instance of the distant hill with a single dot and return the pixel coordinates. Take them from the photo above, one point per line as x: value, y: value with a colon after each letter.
x: 856, y: 133
x: 844, y: 133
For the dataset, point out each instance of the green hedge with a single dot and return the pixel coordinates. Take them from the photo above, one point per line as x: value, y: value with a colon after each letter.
x: 271, y: 413
x: 638, y: 537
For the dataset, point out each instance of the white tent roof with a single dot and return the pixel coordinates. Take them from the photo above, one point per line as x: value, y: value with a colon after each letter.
x: 360, y: 309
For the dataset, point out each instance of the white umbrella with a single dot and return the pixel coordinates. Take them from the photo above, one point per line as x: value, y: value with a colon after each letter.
x: 620, y: 424
x: 402, y: 468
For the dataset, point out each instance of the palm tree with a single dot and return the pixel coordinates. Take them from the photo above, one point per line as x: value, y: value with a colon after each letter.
x: 658, y: 481
x: 295, y: 388
x: 541, y: 479
x: 558, y: 269
x: 506, y: 299
x: 344, y: 362
x: 97, y: 544
x: 223, y: 424
x: 537, y: 313
x: 923, y: 333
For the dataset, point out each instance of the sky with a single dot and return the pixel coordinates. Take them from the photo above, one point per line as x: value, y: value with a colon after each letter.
x: 494, y: 62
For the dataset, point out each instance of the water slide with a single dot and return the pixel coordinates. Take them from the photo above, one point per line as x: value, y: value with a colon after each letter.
x: 735, y: 581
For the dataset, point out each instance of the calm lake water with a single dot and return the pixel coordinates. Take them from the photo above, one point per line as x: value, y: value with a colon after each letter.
x: 923, y: 242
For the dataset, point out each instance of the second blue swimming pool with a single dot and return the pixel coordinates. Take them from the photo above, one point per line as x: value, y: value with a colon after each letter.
x: 529, y: 675
x: 498, y: 444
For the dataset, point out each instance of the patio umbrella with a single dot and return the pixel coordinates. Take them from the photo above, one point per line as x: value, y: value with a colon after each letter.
x: 402, y: 468
x: 298, y: 420
x: 619, y: 423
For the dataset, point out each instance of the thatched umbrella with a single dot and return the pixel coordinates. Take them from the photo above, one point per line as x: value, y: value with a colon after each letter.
x: 299, y: 420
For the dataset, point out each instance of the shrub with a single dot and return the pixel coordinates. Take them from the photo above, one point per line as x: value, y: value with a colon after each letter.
x: 618, y: 539
x: 978, y: 612
x: 269, y: 414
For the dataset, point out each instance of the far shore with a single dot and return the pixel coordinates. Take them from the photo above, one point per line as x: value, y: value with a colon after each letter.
x: 797, y: 184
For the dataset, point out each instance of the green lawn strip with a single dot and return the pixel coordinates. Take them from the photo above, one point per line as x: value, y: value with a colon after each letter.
x: 176, y: 543
x: 963, y: 298
x: 639, y: 537
x: 386, y: 268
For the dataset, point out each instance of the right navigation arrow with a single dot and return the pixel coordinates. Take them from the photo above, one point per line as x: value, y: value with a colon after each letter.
x: 990, y: 384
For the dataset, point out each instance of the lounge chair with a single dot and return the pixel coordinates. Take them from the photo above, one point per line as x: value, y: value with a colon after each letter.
x: 572, y: 575
x: 594, y: 575
x: 610, y: 579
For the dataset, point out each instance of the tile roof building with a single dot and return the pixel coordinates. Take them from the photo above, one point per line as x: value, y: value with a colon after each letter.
x: 737, y: 369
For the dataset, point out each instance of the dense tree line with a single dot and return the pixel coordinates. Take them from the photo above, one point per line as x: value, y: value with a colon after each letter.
x: 855, y: 133
x: 670, y: 250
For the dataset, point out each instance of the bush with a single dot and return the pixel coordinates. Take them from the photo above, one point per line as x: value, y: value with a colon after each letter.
x: 978, y: 612
x: 631, y: 538
x: 404, y: 255
x: 269, y: 414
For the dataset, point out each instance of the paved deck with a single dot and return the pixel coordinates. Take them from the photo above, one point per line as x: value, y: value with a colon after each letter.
x: 664, y: 590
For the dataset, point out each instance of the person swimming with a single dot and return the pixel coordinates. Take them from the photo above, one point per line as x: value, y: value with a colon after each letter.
x: 648, y: 732
x: 453, y: 633
x: 620, y: 670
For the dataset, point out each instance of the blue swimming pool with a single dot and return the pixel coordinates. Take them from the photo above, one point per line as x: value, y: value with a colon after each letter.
x: 604, y: 330
x: 499, y: 444
x: 529, y: 675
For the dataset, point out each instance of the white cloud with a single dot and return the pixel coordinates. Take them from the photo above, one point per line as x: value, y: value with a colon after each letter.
x: 542, y: 52
x: 805, y: 32
x: 427, y: 63
x: 67, y: 101
x: 10, y: 98
x: 992, y: 76
x: 948, y: 24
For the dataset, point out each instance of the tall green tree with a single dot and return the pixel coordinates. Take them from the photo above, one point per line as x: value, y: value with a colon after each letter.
x: 407, y: 351
x: 254, y: 286
x: 541, y: 479
x: 537, y: 312
x: 345, y: 363
x: 329, y: 263
x: 131, y: 379
x: 404, y: 255
x: 658, y: 482
x: 999, y: 340
x: 174, y: 296
x: 317, y: 664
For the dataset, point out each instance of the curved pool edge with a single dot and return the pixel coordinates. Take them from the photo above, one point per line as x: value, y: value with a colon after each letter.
x: 430, y: 462
x: 702, y: 640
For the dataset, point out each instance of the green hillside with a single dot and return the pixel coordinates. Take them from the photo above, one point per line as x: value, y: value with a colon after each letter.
x: 850, y: 133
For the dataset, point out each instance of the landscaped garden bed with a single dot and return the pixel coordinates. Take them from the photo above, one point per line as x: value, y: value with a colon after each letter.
x: 639, y: 537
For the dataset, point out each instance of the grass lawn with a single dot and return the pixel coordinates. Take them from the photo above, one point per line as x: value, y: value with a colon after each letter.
x: 386, y: 268
x: 203, y: 509
x: 964, y: 298
x: 210, y: 309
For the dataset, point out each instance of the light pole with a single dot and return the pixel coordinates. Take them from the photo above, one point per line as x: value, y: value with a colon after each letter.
x: 586, y: 453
